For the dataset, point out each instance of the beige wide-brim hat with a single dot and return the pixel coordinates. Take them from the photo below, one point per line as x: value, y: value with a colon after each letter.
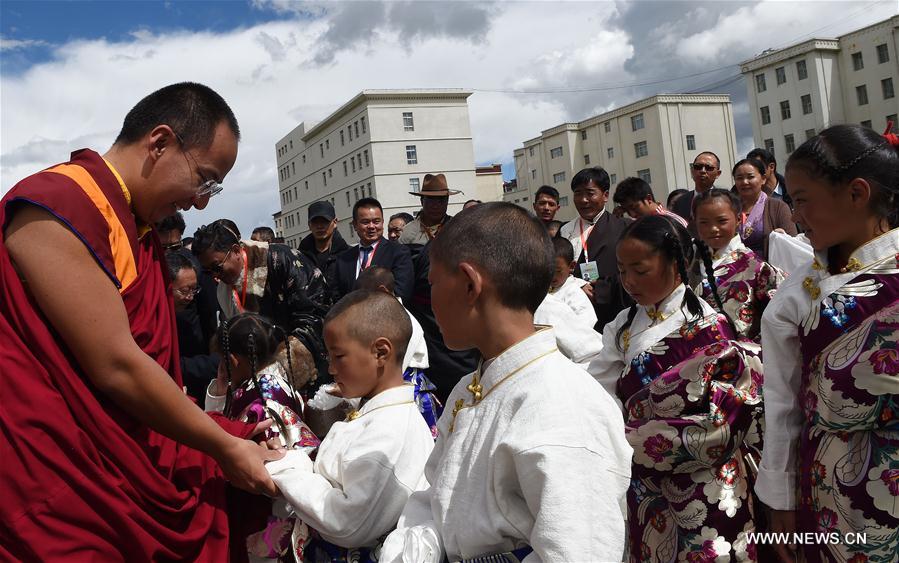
x: 435, y: 185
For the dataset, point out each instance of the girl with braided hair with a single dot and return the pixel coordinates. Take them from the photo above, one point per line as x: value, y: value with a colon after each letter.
x: 690, y: 393
x: 831, y: 341
x: 745, y: 282
x: 259, y: 378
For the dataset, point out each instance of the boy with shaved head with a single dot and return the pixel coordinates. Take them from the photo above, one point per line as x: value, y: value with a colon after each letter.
x: 368, y: 465
x: 532, y: 460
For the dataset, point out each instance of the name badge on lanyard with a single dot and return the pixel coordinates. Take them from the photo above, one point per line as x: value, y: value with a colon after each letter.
x: 589, y: 269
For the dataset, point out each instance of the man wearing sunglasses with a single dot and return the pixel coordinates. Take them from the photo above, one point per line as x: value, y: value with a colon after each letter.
x: 705, y: 169
x: 104, y: 454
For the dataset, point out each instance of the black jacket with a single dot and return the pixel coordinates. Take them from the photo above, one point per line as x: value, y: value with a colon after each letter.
x: 326, y: 261
x: 389, y: 254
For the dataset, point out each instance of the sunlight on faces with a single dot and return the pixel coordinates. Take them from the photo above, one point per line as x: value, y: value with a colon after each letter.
x: 451, y: 302
x: 639, y: 208
x: 716, y: 222
x: 589, y: 200
x: 749, y: 183
x: 645, y: 274
x: 369, y: 224
x: 395, y: 228
x: 705, y: 178
x: 183, y: 287
x: 353, y: 365
x: 225, y: 266
x: 562, y: 269
x: 545, y: 207
x: 827, y: 214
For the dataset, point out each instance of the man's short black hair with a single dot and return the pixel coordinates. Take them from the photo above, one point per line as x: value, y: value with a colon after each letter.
x: 632, y: 189
x: 505, y: 242
x: 217, y: 236
x: 547, y: 190
x: 176, y: 262
x: 717, y: 160
x: 265, y: 234
x: 367, y: 202
x: 192, y: 110
x: 374, y: 277
x: 764, y: 155
x: 596, y: 174
x: 171, y: 223
x: 402, y: 215
x: 563, y: 249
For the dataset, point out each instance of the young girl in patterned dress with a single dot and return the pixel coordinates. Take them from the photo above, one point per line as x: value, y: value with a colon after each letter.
x: 690, y: 392
x: 746, y: 283
x: 831, y: 341
x: 254, y: 385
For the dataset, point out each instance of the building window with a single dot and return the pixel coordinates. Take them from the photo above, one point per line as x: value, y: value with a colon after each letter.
x: 304, y: 159
x: 806, y: 104
x: 366, y: 158
x: 330, y: 173
x: 531, y: 151
x: 414, y: 185
x: 348, y: 198
x: 610, y: 152
x: 349, y: 131
x: 306, y: 184
x: 324, y: 178
x: 766, y: 115
x: 563, y: 201
x: 801, y: 70
x: 344, y: 168
x: 353, y: 162
x: 645, y: 175
x: 640, y: 149
x: 760, y: 85
x: 291, y: 144
x: 356, y: 127
x: 613, y: 178
x: 524, y: 198
x: 858, y: 62
x: 559, y: 177
x: 887, y: 86
x: 769, y: 145
x: 785, y: 109
x: 359, y: 158
x: 883, y: 53
x: 533, y: 174
x: 861, y: 94
x: 356, y: 194
x: 342, y: 138
x: 369, y: 189
x: 293, y: 165
x: 583, y: 135
x: 409, y: 124
x: 294, y: 192
x: 866, y: 123
x: 556, y: 152
x: 809, y: 133
x: 607, y: 126
x: 691, y: 143
x: 780, y: 74
x: 321, y: 148
x: 362, y: 121
x: 637, y: 122
x: 789, y: 143
x: 411, y: 154
x: 892, y: 118
x: 327, y: 144
x: 586, y: 159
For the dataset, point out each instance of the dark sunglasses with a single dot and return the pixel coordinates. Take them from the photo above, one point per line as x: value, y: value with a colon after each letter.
x: 699, y: 167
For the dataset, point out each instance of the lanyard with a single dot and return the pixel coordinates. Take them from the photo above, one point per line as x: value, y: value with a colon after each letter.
x: 242, y: 298
x: 371, y: 255
x: 584, y: 237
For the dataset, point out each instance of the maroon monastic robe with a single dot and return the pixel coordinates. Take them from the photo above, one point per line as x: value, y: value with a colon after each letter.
x: 81, y: 479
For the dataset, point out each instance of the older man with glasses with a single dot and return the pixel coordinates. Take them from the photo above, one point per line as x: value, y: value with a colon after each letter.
x: 705, y: 169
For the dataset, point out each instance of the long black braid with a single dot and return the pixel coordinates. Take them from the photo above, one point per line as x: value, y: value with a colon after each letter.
x: 225, y: 343
x: 705, y: 254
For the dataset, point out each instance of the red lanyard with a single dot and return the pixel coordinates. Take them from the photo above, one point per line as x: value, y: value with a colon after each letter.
x: 584, y: 237
x: 242, y: 298
x: 371, y: 255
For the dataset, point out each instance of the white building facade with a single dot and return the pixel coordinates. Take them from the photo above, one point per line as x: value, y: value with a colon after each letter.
x: 379, y: 144
x: 796, y: 92
x: 655, y: 139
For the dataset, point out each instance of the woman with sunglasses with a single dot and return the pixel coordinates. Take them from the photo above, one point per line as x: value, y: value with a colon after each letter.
x: 273, y: 280
x: 761, y: 214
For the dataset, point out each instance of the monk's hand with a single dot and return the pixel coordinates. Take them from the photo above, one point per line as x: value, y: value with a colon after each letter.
x: 784, y: 522
x: 261, y: 427
x: 243, y: 463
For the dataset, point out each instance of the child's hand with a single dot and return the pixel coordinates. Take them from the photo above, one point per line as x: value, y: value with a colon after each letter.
x: 261, y: 427
x: 588, y: 289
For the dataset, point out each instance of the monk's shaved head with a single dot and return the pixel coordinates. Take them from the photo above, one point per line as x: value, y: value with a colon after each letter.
x: 369, y: 315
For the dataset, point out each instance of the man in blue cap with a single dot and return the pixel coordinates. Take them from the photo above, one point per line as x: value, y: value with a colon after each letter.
x: 324, y: 243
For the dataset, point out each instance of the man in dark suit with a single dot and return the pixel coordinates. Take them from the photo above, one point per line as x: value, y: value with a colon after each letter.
x: 594, y: 236
x: 373, y: 250
x: 705, y: 169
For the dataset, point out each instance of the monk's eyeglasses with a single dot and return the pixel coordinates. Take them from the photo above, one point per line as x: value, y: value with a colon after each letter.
x: 207, y: 187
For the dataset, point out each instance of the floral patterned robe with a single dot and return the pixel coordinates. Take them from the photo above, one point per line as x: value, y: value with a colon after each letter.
x: 690, y: 393
x: 835, y: 341
x: 746, y: 284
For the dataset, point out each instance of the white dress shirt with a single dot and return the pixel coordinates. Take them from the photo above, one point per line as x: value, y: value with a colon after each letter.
x: 572, y: 231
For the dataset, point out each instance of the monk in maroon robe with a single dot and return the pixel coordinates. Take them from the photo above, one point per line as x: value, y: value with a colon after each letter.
x: 104, y: 458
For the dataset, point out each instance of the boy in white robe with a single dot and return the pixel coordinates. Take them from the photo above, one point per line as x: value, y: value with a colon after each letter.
x: 568, y: 288
x: 575, y: 338
x: 532, y: 458
x: 368, y: 465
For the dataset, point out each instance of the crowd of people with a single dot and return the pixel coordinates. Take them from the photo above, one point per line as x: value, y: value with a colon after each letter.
x: 655, y: 382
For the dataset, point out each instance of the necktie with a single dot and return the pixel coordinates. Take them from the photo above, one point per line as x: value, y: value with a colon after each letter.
x: 366, y: 250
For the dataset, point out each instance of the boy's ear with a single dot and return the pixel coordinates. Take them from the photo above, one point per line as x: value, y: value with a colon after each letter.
x: 382, y: 348
x: 474, y: 281
x: 572, y: 266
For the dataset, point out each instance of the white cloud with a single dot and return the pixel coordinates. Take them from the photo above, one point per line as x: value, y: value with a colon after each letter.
x: 16, y: 44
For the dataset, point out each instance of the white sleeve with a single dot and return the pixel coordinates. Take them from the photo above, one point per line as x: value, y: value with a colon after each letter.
x: 607, y: 367
x: 214, y: 403
x: 776, y: 484
x: 366, y: 508
x: 582, y: 307
x: 416, y: 539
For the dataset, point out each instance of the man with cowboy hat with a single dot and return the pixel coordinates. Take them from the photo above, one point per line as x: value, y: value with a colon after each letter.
x: 434, y: 200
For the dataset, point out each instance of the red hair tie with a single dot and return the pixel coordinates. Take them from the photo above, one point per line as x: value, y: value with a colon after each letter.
x: 891, y: 138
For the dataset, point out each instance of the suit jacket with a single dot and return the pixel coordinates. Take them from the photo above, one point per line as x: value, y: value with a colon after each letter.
x: 389, y: 254
x: 609, y: 298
